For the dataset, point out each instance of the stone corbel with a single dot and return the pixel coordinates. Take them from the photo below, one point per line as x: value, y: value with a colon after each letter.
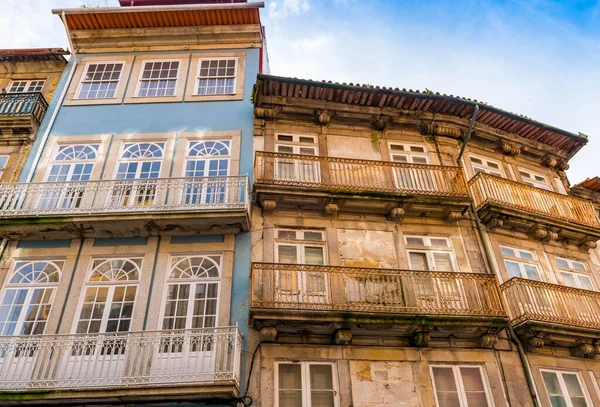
x: 265, y: 113
x: 396, y: 214
x: 583, y: 350
x: 269, y: 205
x: 549, y: 161
x: 494, y: 224
x: 533, y: 343
x: 433, y: 129
x: 508, y: 149
x: 268, y: 334
x: 421, y: 339
x: 332, y: 209
x: 379, y: 123
x: 453, y: 217
x: 588, y: 244
x: 342, y: 337
x: 537, y: 232
x: 563, y: 165
x: 488, y: 340
x: 322, y: 117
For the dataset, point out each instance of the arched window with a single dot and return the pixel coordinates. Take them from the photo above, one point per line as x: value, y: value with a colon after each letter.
x: 81, y: 152
x: 207, y: 159
x: 72, y: 163
x: 192, y: 292
x: 143, y: 150
x: 27, y: 297
x: 109, y: 296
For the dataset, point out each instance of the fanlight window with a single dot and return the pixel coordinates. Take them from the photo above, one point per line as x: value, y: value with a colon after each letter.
x: 116, y: 270
x: 143, y: 150
x: 209, y: 148
x: 195, y: 267
x: 36, y: 272
x: 77, y: 152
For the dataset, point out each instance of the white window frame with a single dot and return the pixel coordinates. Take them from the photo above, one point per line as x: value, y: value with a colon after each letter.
x: 198, y: 78
x: 85, y: 70
x: 534, y: 182
x: 563, y: 387
x: 162, y: 144
x: 522, y: 261
x: 459, y: 382
x: 305, y: 380
x: 428, y: 249
x: 28, y: 83
x: 295, y: 143
x: 300, y: 170
x: 410, y: 155
x: 3, y: 168
x: 577, y: 273
x: 484, y: 168
x: 110, y: 295
x: 72, y: 163
x: 300, y: 243
x: 141, y: 79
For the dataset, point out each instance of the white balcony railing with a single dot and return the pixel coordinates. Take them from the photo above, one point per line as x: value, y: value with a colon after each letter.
x: 123, y: 196
x: 199, y: 356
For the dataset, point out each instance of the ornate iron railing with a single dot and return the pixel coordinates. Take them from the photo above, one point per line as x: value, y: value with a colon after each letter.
x: 122, y: 196
x: 350, y: 175
x: 23, y: 104
x: 487, y: 189
x: 198, y: 356
x: 331, y: 288
x: 530, y: 300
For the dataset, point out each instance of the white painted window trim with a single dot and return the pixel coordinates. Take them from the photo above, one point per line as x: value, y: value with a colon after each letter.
x: 521, y: 261
x: 296, y: 144
x: 112, y: 285
x: 574, y: 271
x: 73, y: 163
x: 28, y: 83
x: 430, y: 250
x: 3, y: 168
x: 301, y: 243
x: 206, y: 158
x: 408, y: 153
x: 484, y: 166
x: 532, y: 181
x: 305, y: 380
x: 140, y: 79
x: 459, y: 383
x: 126, y: 144
x: 192, y: 282
x: 100, y: 62
x: 235, y: 75
x: 563, y: 386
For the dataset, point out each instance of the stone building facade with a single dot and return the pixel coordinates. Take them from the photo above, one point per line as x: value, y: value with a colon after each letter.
x: 415, y: 249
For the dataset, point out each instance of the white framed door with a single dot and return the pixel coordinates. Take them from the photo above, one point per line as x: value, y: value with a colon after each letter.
x: 298, y: 169
x: 209, y: 161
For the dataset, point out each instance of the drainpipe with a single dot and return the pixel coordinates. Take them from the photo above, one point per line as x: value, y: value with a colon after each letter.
x: 61, y: 99
x: 488, y: 256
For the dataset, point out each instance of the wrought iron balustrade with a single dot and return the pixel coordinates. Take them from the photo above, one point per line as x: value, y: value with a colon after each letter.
x: 23, y: 104
x: 530, y: 300
x: 488, y: 189
x: 124, y: 195
x: 351, y: 175
x: 115, y: 360
x: 332, y: 288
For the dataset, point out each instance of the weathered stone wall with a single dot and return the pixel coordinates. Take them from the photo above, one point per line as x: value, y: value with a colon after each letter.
x: 366, y: 248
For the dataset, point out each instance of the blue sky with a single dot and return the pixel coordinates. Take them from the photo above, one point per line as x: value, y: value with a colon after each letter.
x: 539, y: 58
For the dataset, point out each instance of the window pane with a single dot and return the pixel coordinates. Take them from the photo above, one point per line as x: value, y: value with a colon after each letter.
x: 313, y: 255
x: 471, y: 377
x: 418, y: 261
x: 445, y: 387
x: 585, y: 282
x: 551, y: 383
x: 443, y: 262
x: 525, y: 255
x: 569, y: 279
x: 439, y: 242
x: 290, y: 376
x: 322, y: 399
x: 418, y: 241
x: 320, y: 377
x: 508, y: 252
x: 313, y: 236
x: 572, y: 384
x: 578, y: 266
x: 286, y: 234
x: 290, y: 398
x: 532, y: 272
x: 513, y: 269
x: 562, y: 263
x: 288, y: 254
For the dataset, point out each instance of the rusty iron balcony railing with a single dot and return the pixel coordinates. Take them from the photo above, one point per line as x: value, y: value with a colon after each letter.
x: 530, y: 300
x: 125, y: 196
x: 359, y: 176
x: 22, y: 105
x: 490, y: 189
x: 117, y: 360
x: 384, y: 291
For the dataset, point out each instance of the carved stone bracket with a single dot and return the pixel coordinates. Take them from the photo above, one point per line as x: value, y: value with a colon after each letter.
x: 452, y: 217
x: 549, y: 161
x: 494, y: 224
x: 322, y: 117
x: 563, y: 165
x: 537, y: 232
x: 396, y: 214
x: 332, y: 209
x: 588, y: 244
x: 265, y: 113
x: 342, y: 337
x: 434, y: 129
x: 509, y: 149
x: 488, y: 340
x: 269, y: 205
x: 379, y: 123
x: 268, y: 334
x: 533, y: 343
x: 421, y: 339
x: 583, y: 350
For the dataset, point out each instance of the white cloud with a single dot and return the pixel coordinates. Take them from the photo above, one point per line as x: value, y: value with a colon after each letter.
x: 282, y: 9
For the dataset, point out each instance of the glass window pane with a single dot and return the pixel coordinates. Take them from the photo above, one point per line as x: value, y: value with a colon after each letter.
x: 513, y: 269
x: 418, y: 261
x: 562, y: 263
x: 321, y: 377
x: 418, y: 241
x: 551, y: 383
x: 578, y: 266
x: 286, y: 234
x: 290, y: 376
x: 585, y: 282
x: 439, y: 242
x: 290, y: 398
x: 288, y: 254
x: 322, y: 399
x: 569, y: 279
x: 313, y: 255
x: 443, y: 262
x: 572, y: 384
x: 471, y: 377
x: 508, y: 252
x: 444, y: 379
x: 532, y: 272
x: 525, y: 255
x: 313, y: 236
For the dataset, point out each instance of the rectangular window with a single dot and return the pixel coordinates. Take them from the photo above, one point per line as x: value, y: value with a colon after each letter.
x: 460, y: 386
x: 306, y: 384
x: 408, y: 153
x: 297, y: 169
x: 158, y: 78
x: 3, y: 163
x: 429, y: 253
x: 570, y: 274
x: 521, y: 263
x: 533, y: 179
x: 100, y: 80
x: 564, y: 389
x: 26, y: 86
x: 216, y: 76
x: 482, y: 164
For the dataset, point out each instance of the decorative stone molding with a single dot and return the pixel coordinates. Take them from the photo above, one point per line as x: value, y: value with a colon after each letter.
x: 322, y: 117
x: 488, y: 340
x: 433, y: 129
x: 265, y: 113
x: 588, y: 244
x: 537, y: 232
x: 549, y: 161
x: 268, y: 334
x: 563, y: 165
x: 452, y: 217
x: 332, y: 209
x: 379, y: 123
x: 509, y: 149
x: 269, y: 205
x: 342, y: 337
x: 494, y: 224
x: 421, y: 339
x: 396, y: 214
x: 533, y: 343
x: 583, y: 350
x: 552, y: 235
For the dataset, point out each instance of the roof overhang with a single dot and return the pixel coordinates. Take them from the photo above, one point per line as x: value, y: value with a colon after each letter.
x: 33, y: 54
x: 524, y: 128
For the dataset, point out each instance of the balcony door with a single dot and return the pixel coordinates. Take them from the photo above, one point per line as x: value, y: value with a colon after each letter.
x: 411, y: 178
x: 297, y: 169
x: 208, y: 163
x: 191, y: 304
x: 106, y: 307
x: 138, y: 168
x: 25, y: 305
x: 66, y: 178
x: 296, y: 284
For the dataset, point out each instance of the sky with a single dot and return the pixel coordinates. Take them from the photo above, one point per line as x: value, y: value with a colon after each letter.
x: 539, y: 58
